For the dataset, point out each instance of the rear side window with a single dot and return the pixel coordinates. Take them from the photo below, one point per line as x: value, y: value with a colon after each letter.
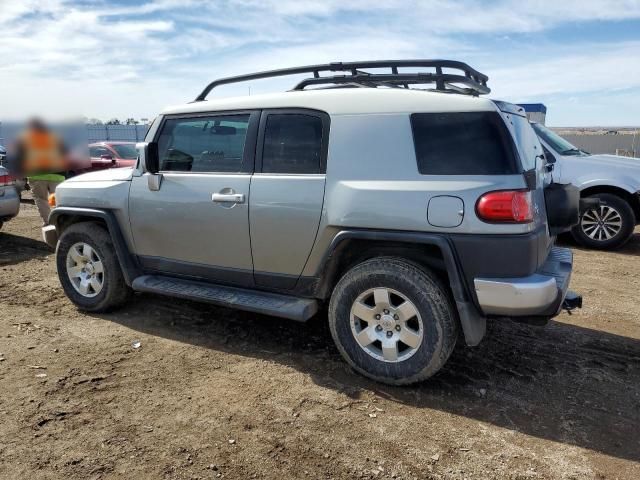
x: 463, y: 143
x: 292, y: 144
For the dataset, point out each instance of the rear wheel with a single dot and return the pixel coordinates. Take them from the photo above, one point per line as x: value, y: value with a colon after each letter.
x: 88, y: 268
x: 607, y: 226
x: 392, y: 321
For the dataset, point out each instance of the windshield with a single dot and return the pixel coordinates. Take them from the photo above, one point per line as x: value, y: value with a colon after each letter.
x: 126, y: 151
x: 556, y: 142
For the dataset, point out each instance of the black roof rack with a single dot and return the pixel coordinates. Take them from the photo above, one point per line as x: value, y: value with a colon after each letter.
x: 467, y: 81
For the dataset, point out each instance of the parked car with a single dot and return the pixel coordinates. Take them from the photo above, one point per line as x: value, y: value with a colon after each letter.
x: 413, y: 214
x: 9, y: 198
x: 112, y: 154
x: 20, y: 183
x: 611, y: 179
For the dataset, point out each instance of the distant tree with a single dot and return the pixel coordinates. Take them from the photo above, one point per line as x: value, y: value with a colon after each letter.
x: 113, y: 121
x: 131, y: 121
x: 94, y: 121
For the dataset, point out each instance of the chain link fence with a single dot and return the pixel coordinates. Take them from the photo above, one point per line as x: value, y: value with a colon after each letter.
x: 83, y: 134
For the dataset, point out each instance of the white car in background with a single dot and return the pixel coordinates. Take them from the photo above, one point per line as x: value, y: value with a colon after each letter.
x: 611, y: 179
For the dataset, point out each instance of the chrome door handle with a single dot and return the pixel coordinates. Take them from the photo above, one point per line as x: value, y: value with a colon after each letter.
x: 227, y: 197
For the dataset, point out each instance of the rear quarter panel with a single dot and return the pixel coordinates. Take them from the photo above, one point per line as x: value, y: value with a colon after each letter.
x: 373, y: 182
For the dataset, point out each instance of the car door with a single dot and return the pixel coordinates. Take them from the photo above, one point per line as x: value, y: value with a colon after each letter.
x: 197, y: 223
x: 287, y: 193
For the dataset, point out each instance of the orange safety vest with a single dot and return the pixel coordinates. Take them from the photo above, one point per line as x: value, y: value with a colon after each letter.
x: 42, y: 153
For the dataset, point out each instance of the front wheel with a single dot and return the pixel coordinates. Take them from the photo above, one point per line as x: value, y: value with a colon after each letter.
x: 392, y: 321
x: 607, y: 226
x: 88, y: 268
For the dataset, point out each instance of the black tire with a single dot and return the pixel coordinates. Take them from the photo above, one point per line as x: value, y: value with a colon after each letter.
x: 429, y: 297
x: 114, y: 292
x: 628, y: 223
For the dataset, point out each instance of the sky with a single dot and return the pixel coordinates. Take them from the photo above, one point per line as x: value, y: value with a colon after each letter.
x: 105, y: 59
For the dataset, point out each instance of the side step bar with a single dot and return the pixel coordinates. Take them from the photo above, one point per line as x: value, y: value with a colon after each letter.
x: 293, y: 308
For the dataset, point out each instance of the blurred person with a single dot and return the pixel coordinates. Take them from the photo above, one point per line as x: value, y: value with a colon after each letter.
x: 40, y: 155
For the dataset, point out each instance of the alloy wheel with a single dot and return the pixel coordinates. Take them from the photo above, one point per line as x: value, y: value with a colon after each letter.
x: 386, y: 325
x: 85, y: 269
x: 601, y: 223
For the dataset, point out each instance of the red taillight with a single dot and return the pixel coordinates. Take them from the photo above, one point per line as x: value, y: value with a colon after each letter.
x: 512, y: 206
x: 6, y: 180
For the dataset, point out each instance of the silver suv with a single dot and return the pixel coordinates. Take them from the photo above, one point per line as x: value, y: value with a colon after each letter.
x: 415, y: 215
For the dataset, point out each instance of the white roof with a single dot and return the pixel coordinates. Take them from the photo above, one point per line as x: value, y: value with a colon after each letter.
x: 346, y: 101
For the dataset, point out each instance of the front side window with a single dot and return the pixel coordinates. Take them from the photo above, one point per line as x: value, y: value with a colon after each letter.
x: 292, y: 144
x: 463, y: 143
x: 203, y: 144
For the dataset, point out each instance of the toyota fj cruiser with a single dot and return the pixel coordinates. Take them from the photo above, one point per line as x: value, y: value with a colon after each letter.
x: 416, y: 215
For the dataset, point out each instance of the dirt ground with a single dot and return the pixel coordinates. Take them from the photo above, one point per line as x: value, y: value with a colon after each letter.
x: 215, y: 393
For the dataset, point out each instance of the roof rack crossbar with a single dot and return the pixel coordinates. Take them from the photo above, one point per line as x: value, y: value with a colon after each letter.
x: 475, y: 81
x: 444, y: 82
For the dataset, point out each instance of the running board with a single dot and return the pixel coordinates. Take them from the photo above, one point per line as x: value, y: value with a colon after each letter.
x: 285, y: 306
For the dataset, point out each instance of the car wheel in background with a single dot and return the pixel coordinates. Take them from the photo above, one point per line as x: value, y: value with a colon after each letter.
x: 88, y: 268
x: 607, y: 226
x: 392, y: 321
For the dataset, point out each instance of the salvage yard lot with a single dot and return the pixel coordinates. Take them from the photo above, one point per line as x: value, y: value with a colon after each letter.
x: 216, y: 393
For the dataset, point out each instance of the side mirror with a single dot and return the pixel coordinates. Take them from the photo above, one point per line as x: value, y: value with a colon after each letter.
x: 151, y: 158
x: 151, y: 163
x: 107, y: 157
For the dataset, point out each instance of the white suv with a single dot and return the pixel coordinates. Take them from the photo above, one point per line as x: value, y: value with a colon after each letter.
x: 612, y: 180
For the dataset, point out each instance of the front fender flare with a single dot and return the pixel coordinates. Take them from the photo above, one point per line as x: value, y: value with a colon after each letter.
x: 128, y: 262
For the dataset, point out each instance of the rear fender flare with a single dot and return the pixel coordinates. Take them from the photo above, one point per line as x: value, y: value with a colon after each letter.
x: 472, y: 322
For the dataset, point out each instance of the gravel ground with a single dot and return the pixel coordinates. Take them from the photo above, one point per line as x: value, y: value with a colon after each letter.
x: 215, y: 393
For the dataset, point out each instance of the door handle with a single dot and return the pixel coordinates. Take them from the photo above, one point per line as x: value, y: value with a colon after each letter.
x: 227, y: 197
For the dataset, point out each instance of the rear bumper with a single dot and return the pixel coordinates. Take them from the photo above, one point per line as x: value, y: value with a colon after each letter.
x: 9, y: 203
x: 539, y: 294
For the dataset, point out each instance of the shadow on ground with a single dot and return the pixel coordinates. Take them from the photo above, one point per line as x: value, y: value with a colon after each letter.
x: 15, y: 249
x: 562, y: 382
x: 632, y: 247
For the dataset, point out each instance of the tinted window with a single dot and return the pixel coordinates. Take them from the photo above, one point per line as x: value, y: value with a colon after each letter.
x: 99, y: 151
x: 203, y: 144
x: 292, y: 144
x: 471, y: 143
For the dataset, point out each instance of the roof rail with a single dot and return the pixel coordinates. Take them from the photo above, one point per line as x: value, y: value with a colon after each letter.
x: 472, y: 81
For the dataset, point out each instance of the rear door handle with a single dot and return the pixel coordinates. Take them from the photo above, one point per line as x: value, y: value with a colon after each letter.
x: 227, y: 197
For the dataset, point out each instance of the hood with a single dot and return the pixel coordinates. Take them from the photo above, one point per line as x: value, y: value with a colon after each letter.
x: 108, y: 175
x: 614, y: 160
x: 594, y: 170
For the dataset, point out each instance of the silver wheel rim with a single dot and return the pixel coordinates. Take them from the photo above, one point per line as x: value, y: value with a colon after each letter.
x: 85, y: 269
x: 386, y: 325
x: 601, y: 223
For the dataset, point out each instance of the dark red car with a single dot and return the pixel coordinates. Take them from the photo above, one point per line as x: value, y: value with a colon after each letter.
x: 112, y: 155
